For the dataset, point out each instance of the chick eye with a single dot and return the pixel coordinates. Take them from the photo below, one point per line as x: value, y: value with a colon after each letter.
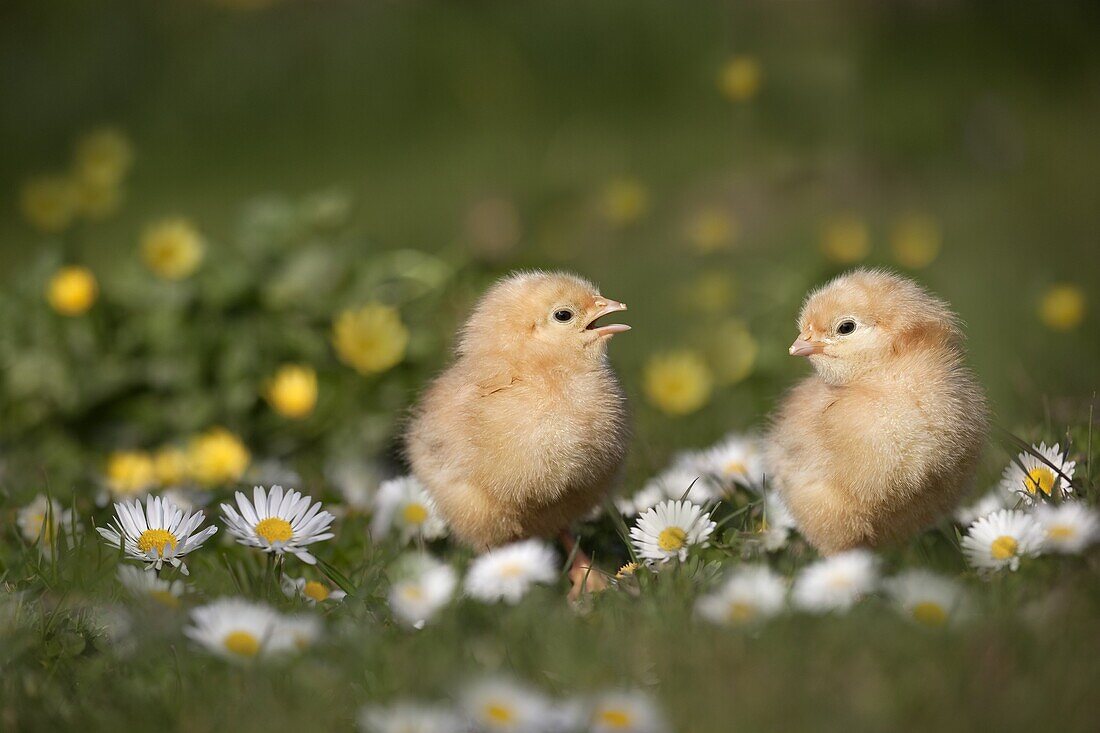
x: 846, y: 327
x: 563, y: 316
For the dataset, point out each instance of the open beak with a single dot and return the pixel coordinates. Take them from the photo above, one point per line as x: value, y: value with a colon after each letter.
x: 605, y: 307
x: 802, y: 347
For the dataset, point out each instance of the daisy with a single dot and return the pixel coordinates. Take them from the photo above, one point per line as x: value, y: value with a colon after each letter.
x: 43, y: 521
x: 669, y: 529
x: 925, y: 597
x: 686, y: 480
x: 626, y: 712
x: 650, y: 496
x: 1069, y: 527
x: 159, y: 533
x: 313, y: 591
x: 424, y: 586
x: 508, y: 572
x: 1000, y: 539
x: 409, y: 717
x: 303, y: 630
x: 778, y: 523
x: 737, y: 459
x: 240, y: 630
x: 835, y: 583
x: 750, y: 594
x: 357, y: 481
x: 991, y: 502
x: 503, y: 705
x: 405, y: 505
x: 1028, y: 476
x: 147, y: 586
x: 278, y: 522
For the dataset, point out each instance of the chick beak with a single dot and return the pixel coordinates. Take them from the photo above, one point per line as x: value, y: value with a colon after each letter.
x: 605, y: 306
x: 804, y: 347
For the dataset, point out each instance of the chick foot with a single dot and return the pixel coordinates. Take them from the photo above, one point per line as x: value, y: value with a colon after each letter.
x: 585, y: 577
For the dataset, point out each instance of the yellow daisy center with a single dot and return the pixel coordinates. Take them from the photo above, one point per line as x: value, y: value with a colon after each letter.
x: 929, y: 613
x: 734, y: 468
x: 1039, y: 479
x: 242, y: 643
x: 412, y: 593
x: 1003, y: 547
x: 511, y: 570
x: 414, y: 513
x: 499, y: 713
x: 1061, y: 532
x: 274, y: 530
x: 165, y: 598
x: 615, y: 718
x: 315, y: 590
x: 671, y: 539
x: 156, y: 539
x: 740, y: 612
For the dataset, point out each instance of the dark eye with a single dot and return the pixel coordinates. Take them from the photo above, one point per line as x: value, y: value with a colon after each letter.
x: 846, y: 327
x: 563, y: 316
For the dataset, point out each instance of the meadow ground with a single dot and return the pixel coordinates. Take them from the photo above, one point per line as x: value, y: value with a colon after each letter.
x: 328, y: 186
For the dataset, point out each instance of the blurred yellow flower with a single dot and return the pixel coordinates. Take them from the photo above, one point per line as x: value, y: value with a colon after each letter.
x: 915, y: 240
x: 712, y: 292
x: 96, y: 201
x: 624, y: 201
x: 678, y: 382
x: 845, y: 239
x: 103, y: 157
x: 49, y: 203
x: 72, y: 290
x: 733, y: 351
x: 710, y: 230
x: 740, y: 78
x: 217, y: 457
x: 129, y: 472
x: 170, y: 465
x: 173, y: 249
x: 371, y: 339
x: 292, y: 392
x: 1062, y: 307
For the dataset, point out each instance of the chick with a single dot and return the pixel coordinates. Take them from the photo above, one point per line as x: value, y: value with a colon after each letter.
x: 526, y: 431
x: 883, y: 439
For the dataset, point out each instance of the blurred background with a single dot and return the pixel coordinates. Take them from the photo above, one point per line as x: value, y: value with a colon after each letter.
x: 249, y: 185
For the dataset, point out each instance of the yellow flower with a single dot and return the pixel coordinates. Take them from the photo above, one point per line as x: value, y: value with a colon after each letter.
x: 678, y: 382
x: 711, y: 230
x: 915, y: 241
x: 170, y: 465
x: 96, y: 201
x: 740, y: 78
x: 624, y: 200
x: 72, y: 290
x: 49, y: 203
x: 217, y: 457
x: 845, y: 239
x: 103, y: 157
x: 173, y: 249
x: 130, y: 472
x: 371, y: 339
x: 733, y: 351
x: 1062, y: 307
x: 292, y: 392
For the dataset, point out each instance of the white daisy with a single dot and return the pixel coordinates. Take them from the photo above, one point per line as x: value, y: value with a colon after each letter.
x: 405, y: 505
x: 685, y: 480
x: 357, y: 481
x: 986, y: 505
x: 1029, y: 477
x: 44, y: 522
x: 626, y: 712
x: 736, y: 459
x: 312, y: 591
x: 240, y: 630
x: 1069, y: 527
x: 507, y: 573
x: 302, y: 629
x: 667, y: 531
x: 778, y: 523
x: 749, y: 594
x: 278, y: 522
x: 503, y: 705
x: 159, y: 533
x: 409, y: 717
x: 835, y: 583
x: 147, y: 586
x: 648, y: 497
x: 1000, y: 539
x: 926, y: 598
x: 423, y: 586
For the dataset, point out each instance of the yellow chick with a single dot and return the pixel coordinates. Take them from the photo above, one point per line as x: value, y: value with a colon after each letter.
x: 884, y: 437
x: 526, y: 431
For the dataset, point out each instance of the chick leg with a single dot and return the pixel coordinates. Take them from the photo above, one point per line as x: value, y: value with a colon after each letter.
x: 585, y: 577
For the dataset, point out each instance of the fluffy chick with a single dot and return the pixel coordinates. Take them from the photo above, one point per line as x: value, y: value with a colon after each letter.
x: 884, y: 437
x: 527, y: 429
